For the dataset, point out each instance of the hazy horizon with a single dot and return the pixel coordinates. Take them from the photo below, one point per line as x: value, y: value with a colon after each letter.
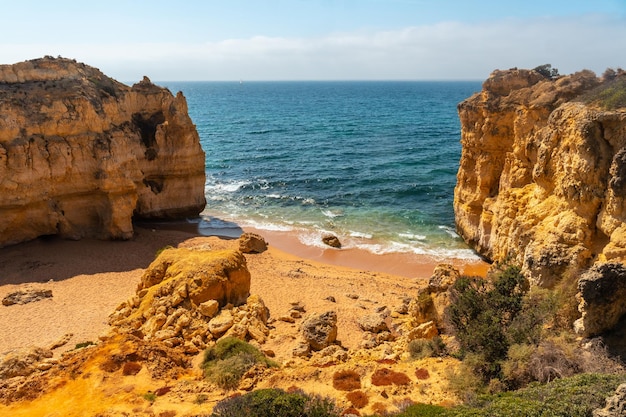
x: 318, y: 40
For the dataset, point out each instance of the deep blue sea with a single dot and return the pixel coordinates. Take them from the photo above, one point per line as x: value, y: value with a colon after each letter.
x: 372, y: 162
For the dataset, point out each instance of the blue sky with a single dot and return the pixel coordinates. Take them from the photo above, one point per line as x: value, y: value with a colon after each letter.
x: 317, y: 39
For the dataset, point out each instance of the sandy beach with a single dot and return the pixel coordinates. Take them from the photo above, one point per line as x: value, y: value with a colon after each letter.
x: 89, y: 278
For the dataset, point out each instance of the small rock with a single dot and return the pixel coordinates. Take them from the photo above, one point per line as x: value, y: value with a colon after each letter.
x: 331, y: 240
x: 373, y: 323
x: 320, y: 331
x: 287, y: 319
x: 25, y: 297
x: 221, y: 323
x: 22, y: 362
x: 62, y: 341
x: 301, y: 350
x: 426, y: 330
x: 252, y: 243
x: 331, y: 299
x: 353, y: 296
x: 209, y: 308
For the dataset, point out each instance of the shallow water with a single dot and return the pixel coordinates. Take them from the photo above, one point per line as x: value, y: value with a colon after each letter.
x: 373, y: 162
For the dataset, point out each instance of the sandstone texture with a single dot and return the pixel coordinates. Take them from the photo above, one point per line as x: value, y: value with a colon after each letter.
x: 190, y: 297
x: 81, y: 154
x: 541, y: 177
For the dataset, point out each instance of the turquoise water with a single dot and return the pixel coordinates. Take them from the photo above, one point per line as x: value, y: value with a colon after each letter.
x: 373, y: 162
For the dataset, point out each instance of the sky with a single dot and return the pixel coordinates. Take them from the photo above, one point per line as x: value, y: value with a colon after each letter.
x: 225, y: 40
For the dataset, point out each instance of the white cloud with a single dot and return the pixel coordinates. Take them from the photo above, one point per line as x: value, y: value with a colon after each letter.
x: 447, y: 50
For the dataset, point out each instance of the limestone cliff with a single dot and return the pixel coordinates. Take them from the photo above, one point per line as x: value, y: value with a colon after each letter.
x: 82, y: 154
x: 542, y: 172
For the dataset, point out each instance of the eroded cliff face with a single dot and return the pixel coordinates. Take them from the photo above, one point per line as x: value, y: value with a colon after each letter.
x: 82, y: 154
x: 542, y: 175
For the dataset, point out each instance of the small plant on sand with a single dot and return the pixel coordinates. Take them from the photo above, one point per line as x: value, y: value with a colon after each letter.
x: 159, y: 251
x: 84, y: 344
x: 150, y: 396
x: 229, y: 359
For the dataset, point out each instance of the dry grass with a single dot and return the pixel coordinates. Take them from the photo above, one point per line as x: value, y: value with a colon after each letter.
x: 346, y: 380
x: 131, y: 368
x: 422, y: 373
x: 358, y: 399
x: 384, y: 376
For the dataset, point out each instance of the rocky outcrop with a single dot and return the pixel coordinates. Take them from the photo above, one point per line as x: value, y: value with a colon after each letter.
x: 541, y: 173
x: 180, y: 295
x: 82, y: 154
x: 602, y: 291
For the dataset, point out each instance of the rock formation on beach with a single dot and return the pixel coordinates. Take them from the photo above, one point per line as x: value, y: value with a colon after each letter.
x: 82, y: 154
x: 541, y: 177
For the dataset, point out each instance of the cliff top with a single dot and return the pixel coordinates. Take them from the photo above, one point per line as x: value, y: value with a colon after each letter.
x: 539, y: 88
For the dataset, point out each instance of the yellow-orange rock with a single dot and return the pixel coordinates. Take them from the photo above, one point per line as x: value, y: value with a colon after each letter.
x: 81, y: 154
x: 541, y: 177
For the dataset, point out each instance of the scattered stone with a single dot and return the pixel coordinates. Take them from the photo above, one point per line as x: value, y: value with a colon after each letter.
x: 320, y: 331
x: 287, y: 319
x: 331, y: 299
x: 332, y: 241
x: 426, y: 330
x: 298, y: 306
x: 209, y: 308
x: 295, y: 314
x: 62, y: 341
x: 353, y: 296
x: 26, y: 296
x: 301, y: 350
x: 22, y: 362
x: 252, y: 243
x: 221, y: 323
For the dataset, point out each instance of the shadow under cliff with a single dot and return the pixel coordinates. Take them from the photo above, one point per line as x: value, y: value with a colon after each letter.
x: 52, y: 258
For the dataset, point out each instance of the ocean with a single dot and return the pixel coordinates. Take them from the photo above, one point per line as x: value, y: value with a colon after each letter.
x: 373, y: 163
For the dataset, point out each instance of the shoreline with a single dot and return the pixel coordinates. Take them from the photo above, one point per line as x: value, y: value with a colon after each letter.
x: 403, y: 264
x: 90, y: 278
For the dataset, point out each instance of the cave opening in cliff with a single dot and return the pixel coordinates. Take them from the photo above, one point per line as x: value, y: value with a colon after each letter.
x: 147, y: 128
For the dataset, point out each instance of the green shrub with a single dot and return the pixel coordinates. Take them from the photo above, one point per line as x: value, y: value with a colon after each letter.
x: 275, y: 403
x: 423, y: 410
x: 481, y: 314
x: 229, y: 359
x: 568, y: 397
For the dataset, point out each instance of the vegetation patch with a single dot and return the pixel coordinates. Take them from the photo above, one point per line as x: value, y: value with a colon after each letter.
x: 427, y: 348
x: 346, y: 380
x: 611, y: 94
x: 358, y: 399
x: 385, y: 376
x: 229, y: 359
x: 131, y: 368
x: 275, y: 403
